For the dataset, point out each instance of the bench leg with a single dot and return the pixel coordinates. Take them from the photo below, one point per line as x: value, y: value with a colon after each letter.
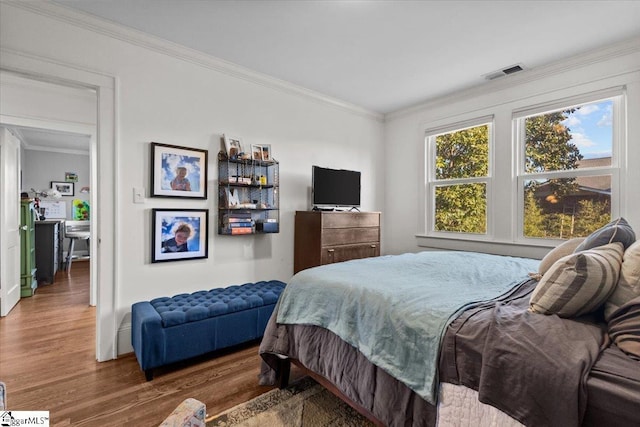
x: 148, y: 374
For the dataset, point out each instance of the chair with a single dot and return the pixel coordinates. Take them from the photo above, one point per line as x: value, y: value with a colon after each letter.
x: 75, y: 230
x: 190, y: 412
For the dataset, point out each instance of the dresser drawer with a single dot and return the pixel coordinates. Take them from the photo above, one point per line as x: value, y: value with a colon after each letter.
x: 349, y: 252
x: 350, y: 219
x: 346, y: 236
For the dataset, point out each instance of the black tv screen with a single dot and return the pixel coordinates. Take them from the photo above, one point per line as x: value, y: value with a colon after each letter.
x: 335, y: 187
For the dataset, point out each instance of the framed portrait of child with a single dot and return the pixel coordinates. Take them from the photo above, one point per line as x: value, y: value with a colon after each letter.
x: 179, y: 234
x: 178, y: 171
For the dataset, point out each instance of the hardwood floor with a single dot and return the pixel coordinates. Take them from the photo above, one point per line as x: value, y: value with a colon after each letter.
x: 47, y: 360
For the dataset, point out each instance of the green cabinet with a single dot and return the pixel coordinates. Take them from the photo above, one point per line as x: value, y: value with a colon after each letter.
x: 28, y: 282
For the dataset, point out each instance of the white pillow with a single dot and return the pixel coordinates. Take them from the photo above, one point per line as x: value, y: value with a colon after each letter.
x: 628, y: 286
x: 563, y: 249
x: 578, y: 283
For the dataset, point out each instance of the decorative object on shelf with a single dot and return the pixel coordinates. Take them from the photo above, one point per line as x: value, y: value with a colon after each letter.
x: 248, y: 199
x: 178, y: 171
x: 266, y: 153
x: 233, y: 146
x: 179, y: 234
x: 256, y: 152
x: 80, y: 210
x: 64, y: 188
x: 71, y: 177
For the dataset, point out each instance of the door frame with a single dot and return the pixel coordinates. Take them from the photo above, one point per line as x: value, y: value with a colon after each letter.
x: 78, y: 128
x: 104, y: 151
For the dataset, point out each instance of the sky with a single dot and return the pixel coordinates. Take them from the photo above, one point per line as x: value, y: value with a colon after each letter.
x: 591, y: 130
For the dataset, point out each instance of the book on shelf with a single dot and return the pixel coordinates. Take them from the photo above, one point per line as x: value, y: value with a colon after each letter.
x: 240, y: 224
x: 237, y: 217
x: 241, y: 230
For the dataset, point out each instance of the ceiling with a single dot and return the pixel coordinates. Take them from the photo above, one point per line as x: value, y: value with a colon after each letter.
x: 379, y: 55
x: 52, y: 140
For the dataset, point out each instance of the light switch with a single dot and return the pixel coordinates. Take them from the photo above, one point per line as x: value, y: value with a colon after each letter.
x: 138, y: 195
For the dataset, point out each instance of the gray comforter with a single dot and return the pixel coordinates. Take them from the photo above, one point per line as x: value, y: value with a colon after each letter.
x: 530, y: 366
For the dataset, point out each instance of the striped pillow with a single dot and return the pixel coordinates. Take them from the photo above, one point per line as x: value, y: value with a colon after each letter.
x: 629, y: 282
x: 624, y: 328
x: 578, y: 283
x: 563, y: 249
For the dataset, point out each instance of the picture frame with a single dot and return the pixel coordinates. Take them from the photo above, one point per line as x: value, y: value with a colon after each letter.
x: 266, y: 153
x: 71, y: 177
x: 256, y: 152
x: 233, y: 145
x: 179, y: 234
x: 178, y: 171
x: 64, y: 188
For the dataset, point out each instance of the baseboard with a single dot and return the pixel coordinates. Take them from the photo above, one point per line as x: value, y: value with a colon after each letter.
x: 124, y: 338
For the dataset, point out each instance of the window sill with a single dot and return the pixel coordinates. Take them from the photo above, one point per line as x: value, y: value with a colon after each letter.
x: 525, y: 250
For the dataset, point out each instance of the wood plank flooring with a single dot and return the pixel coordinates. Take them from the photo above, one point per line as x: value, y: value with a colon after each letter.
x: 47, y: 360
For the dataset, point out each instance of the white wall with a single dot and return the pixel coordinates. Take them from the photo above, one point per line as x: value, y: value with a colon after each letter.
x: 166, y: 99
x: 615, y: 66
x: 42, y: 167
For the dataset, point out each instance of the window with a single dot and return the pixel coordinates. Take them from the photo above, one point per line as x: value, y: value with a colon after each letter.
x: 567, y: 169
x: 458, y: 178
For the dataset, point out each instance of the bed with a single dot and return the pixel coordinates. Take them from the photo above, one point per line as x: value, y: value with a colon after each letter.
x: 359, y: 328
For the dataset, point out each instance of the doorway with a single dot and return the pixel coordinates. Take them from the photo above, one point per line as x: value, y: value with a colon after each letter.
x: 103, y: 148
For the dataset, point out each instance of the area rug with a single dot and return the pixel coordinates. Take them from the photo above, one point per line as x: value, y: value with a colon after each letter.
x: 305, y: 403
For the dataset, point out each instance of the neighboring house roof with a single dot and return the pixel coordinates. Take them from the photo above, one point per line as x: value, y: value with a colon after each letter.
x: 596, y: 183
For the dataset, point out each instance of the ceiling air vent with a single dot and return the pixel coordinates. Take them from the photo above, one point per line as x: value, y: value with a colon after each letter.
x: 504, y: 72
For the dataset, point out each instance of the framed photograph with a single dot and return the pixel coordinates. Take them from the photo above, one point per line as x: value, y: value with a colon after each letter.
x: 65, y: 188
x: 266, y: 153
x: 178, y: 171
x: 179, y: 234
x: 256, y: 152
x: 71, y: 177
x: 233, y: 145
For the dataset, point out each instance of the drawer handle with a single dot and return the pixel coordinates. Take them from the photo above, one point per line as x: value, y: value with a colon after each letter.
x: 373, y: 246
x: 331, y: 250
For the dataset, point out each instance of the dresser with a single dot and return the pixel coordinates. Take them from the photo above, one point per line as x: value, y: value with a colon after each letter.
x: 28, y: 282
x: 323, y: 237
x: 48, y: 249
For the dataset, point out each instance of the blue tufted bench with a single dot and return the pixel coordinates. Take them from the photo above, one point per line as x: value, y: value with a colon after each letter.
x: 166, y: 330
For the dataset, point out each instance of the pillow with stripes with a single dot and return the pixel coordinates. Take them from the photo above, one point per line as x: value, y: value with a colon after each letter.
x: 628, y: 286
x: 624, y: 328
x: 579, y: 283
x: 563, y: 249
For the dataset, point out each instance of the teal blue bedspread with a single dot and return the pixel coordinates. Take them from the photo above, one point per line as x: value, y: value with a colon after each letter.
x: 395, y: 309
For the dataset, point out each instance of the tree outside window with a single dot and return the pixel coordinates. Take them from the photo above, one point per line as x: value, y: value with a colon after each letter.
x: 567, y: 171
x: 461, y: 179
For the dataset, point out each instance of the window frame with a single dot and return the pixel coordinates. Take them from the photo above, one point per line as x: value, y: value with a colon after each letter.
x: 617, y: 96
x: 432, y: 182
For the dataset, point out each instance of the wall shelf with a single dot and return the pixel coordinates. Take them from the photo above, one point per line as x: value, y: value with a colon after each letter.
x: 248, y: 196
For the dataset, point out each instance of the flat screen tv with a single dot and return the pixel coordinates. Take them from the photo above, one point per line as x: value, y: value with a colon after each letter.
x: 335, y: 187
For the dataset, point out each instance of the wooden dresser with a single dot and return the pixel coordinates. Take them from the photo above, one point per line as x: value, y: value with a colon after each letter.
x: 323, y: 237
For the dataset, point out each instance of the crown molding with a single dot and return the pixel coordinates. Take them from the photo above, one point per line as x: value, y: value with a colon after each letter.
x: 56, y: 150
x: 147, y: 41
x: 626, y: 47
